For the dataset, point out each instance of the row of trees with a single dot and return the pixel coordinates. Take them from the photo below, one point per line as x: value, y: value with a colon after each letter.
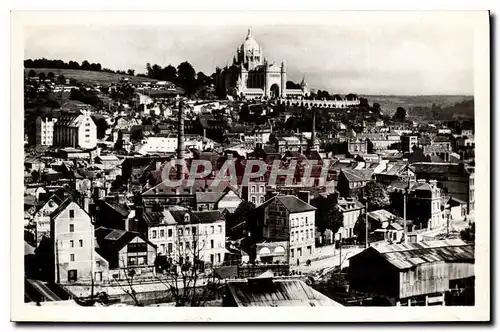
x: 60, y: 64
x: 184, y: 75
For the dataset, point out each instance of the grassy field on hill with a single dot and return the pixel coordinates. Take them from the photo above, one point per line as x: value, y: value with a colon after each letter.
x: 95, y: 77
x: 389, y: 104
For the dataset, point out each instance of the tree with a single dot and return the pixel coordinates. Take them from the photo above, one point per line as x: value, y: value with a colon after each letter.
x: 129, y: 287
x: 202, y: 80
x: 42, y: 76
x: 243, y: 218
x: 137, y: 135
x: 131, y: 72
x: 400, y: 115
x: 102, y: 126
x: 32, y: 73
x: 183, y: 270
x: 376, y: 195
x: 360, y: 229
x: 50, y: 76
x: 169, y: 73
x: 469, y: 234
x: 328, y: 215
x: 61, y: 79
x: 187, y: 77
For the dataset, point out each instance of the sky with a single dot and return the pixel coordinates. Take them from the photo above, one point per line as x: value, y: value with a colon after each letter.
x: 407, y: 59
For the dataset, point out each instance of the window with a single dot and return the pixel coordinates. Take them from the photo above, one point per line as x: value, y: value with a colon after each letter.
x: 162, y: 248
x: 212, y: 229
x: 137, y: 247
x: 254, y: 200
x: 154, y: 234
x: 219, y: 228
x: 72, y: 257
x: 72, y: 275
x: 87, y: 135
x: 169, y: 232
x: 291, y: 253
x: 71, y: 214
x: 212, y: 244
x: 302, y: 221
x: 162, y: 233
x: 71, y: 243
x: 180, y: 231
x: 306, y: 220
x: 98, y: 263
x: 80, y: 242
x: 262, y: 189
x: 181, y: 245
x: 188, y: 245
x: 187, y: 230
x: 218, y: 258
x: 169, y: 247
x: 193, y: 230
x: 71, y: 228
x: 261, y: 199
x: 253, y: 189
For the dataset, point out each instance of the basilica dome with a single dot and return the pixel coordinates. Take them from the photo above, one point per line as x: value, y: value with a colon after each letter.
x: 250, y: 44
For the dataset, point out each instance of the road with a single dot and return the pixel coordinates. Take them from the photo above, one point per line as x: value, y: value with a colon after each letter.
x: 330, y: 262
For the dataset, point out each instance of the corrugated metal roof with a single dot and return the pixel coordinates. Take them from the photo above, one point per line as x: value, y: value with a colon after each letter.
x: 277, y: 293
x: 407, y: 255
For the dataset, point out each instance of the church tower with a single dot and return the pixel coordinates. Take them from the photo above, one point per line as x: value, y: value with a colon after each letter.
x: 283, y: 79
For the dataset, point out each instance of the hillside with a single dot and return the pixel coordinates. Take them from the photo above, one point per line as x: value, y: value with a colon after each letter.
x: 95, y: 77
x: 389, y: 104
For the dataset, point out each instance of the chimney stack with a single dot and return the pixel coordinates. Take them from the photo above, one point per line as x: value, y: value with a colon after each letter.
x: 180, y: 138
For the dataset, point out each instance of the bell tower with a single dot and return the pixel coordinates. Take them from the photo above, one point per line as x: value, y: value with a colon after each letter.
x: 283, y: 79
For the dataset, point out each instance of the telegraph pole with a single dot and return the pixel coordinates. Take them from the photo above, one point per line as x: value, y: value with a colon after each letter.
x: 404, y: 217
x: 366, y: 224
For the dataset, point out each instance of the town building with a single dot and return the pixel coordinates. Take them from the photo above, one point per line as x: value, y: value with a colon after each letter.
x: 72, y: 233
x: 45, y: 131
x: 414, y: 274
x: 75, y: 130
x: 181, y: 234
x: 351, y: 210
x: 288, y: 218
x: 124, y: 251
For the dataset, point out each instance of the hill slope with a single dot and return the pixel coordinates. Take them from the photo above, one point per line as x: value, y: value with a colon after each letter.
x: 95, y: 77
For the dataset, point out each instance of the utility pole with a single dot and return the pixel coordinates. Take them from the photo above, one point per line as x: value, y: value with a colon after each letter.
x: 366, y: 224
x: 404, y: 217
x: 340, y: 252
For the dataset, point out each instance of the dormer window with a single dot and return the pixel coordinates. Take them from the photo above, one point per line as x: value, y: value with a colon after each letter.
x: 186, y: 218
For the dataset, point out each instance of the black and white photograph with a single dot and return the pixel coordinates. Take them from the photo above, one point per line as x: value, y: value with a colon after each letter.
x: 232, y: 159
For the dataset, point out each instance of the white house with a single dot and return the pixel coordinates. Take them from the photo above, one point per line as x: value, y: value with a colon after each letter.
x: 182, y: 235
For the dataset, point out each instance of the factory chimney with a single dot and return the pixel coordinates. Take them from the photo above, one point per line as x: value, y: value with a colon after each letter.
x: 180, y: 138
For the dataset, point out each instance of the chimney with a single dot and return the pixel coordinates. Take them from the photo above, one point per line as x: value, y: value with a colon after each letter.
x: 180, y: 138
x: 304, y: 196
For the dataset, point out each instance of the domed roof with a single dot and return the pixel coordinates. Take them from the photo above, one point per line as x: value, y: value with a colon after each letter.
x: 250, y: 43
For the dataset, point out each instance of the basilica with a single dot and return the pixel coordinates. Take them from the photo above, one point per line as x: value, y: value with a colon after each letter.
x: 252, y: 76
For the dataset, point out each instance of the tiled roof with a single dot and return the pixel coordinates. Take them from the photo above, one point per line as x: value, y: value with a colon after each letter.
x: 358, y: 174
x: 291, y: 203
